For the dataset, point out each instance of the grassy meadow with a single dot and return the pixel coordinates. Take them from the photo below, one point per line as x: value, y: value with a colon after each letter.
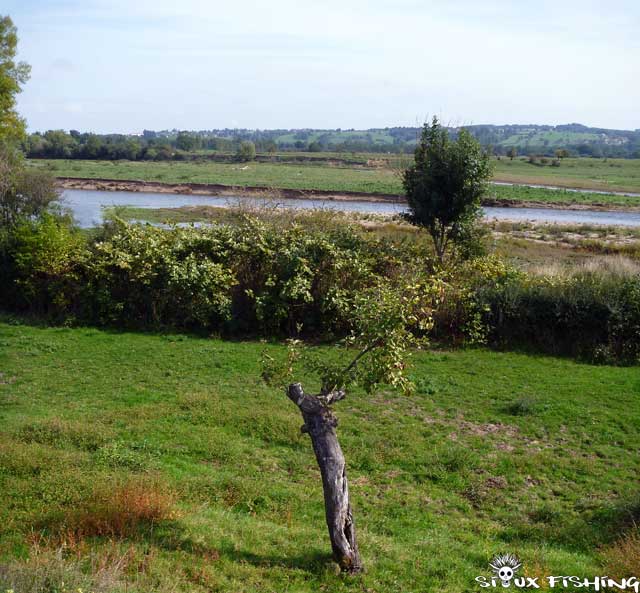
x: 139, y: 462
x: 255, y: 174
x: 582, y: 173
x: 383, y: 178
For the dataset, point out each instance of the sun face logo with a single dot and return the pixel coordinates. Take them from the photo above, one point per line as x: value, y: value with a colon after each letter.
x: 505, y: 566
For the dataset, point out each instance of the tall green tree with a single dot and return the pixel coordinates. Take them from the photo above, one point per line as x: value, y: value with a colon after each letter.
x: 24, y: 193
x: 13, y: 75
x: 187, y: 142
x: 445, y: 183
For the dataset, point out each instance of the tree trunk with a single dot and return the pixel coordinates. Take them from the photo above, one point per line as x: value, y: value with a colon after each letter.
x: 320, y: 424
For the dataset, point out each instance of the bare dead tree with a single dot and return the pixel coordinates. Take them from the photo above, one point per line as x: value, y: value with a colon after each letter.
x: 320, y: 424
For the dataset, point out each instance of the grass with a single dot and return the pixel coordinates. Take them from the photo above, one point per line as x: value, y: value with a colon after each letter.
x: 263, y: 209
x: 619, y: 175
x: 309, y: 177
x: 543, y: 196
x: 582, y: 173
x: 550, y: 138
x: 496, y: 451
x: 623, y: 557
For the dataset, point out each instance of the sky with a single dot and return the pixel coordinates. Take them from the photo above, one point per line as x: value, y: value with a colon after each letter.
x: 129, y: 65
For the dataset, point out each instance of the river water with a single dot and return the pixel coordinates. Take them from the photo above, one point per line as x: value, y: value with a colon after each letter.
x: 87, y: 207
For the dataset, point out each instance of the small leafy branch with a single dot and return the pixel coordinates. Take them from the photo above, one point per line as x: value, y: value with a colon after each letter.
x: 389, y: 320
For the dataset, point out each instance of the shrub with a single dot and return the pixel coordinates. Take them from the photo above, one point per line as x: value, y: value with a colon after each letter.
x: 590, y: 313
x: 246, y: 151
x: 461, y: 315
x: 241, y: 277
x: 24, y: 192
x: 523, y: 406
x: 146, y: 276
x: 42, y: 266
x: 281, y: 276
x: 246, y: 277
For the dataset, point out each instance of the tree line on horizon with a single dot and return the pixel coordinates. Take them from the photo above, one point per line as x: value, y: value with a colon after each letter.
x: 508, y: 141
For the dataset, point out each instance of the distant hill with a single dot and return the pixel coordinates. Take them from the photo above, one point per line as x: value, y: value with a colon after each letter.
x: 527, y: 139
x: 576, y: 138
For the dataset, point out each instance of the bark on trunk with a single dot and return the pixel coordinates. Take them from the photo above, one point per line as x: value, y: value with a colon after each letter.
x: 320, y: 424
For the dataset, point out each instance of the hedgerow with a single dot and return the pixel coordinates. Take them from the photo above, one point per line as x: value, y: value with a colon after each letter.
x: 265, y: 277
x: 248, y: 277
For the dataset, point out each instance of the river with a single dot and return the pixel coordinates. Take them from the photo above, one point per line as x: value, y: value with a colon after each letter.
x: 87, y: 207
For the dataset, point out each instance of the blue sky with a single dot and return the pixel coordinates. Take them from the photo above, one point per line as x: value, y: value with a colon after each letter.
x: 126, y: 65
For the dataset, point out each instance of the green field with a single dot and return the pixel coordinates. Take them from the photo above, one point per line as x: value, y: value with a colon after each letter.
x: 621, y: 175
x: 496, y: 452
x: 308, y: 177
x: 564, y: 197
x: 334, y: 136
x: 549, y: 139
x: 585, y: 173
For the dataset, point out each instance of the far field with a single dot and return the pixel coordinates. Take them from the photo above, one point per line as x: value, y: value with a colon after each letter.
x: 144, y: 462
x: 584, y: 173
x: 381, y: 176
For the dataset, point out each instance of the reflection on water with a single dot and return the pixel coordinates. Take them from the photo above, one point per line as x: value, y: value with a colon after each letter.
x: 87, y: 207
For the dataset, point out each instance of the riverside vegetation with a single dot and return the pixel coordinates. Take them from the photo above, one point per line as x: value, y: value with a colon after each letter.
x: 159, y: 460
x: 150, y: 495
x: 379, y: 176
x: 281, y: 278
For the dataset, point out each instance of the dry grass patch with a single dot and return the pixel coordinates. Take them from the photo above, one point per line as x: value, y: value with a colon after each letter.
x: 622, y: 559
x: 115, y: 512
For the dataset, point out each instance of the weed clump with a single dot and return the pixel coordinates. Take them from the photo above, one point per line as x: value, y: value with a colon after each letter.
x: 523, y: 406
x: 622, y: 558
x: 116, y: 512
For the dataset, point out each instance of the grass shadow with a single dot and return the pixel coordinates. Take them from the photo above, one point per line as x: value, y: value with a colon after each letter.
x: 311, y: 561
x: 172, y: 537
x: 592, y: 528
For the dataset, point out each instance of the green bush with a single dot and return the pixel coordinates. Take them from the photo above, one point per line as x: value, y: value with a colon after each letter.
x: 42, y: 266
x: 246, y: 277
x: 271, y: 278
x: 146, y: 276
x: 461, y: 315
x: 590, y: 314
x: 523, y: 406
